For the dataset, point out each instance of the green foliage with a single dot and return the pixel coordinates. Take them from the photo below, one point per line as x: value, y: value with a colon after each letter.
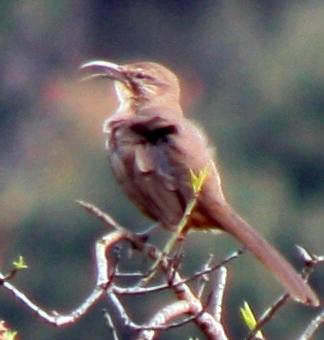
x: 197, y: 180
x: 20, y: 264
x: 10, y: 335
x: 249, y: 319
x: 6, y: 333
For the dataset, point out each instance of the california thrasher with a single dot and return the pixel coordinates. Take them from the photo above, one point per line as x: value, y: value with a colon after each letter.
x: 153, y: 147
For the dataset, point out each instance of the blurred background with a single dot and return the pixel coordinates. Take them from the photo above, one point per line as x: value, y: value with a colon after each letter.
x: 252, y: 75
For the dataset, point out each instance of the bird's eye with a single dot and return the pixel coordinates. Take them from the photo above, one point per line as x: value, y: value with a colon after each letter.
x: 140, y: 75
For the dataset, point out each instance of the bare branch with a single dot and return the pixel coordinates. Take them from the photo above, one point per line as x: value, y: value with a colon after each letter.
x: 205, y: 321
x: 217, y: 294
x: 163, y: 317
x: 203, y: 279
x: 189, y: 306
x: 313, y: 326
x: 111, y: 325
x: 53, y: 317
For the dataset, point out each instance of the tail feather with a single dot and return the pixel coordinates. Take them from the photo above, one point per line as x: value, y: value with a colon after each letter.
x: 268, y: 255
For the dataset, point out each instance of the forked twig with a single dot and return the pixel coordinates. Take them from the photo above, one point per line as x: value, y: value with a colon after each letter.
x: 106, y: 286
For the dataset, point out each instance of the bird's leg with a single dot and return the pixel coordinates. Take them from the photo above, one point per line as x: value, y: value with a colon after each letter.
x: 178, y: 235
x: 197, y: 182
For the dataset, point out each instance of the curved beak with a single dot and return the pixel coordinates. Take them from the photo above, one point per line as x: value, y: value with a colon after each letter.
x: 106, y: 70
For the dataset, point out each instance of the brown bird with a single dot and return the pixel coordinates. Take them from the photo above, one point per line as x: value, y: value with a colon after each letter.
x: 153, y: 147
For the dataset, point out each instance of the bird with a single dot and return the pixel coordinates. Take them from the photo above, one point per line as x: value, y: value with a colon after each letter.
x: 154, y: 148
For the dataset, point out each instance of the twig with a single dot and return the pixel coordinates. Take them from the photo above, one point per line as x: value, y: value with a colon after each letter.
x: 217, y: 295
x: 53, y: 317
x: 312, y: 327
x: 111, y: 325
x: 105, y: 285
x: 211, y: 328
x: 268, y: 314
x: 203, y: 279
x: 310, y: 261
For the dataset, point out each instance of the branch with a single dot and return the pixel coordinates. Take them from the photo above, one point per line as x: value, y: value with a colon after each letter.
x: 313, y: 326
x: 206, y: 322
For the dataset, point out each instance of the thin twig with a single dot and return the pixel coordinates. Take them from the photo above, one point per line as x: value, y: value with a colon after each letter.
x: 53, y: 317
x: 312, y: 327
x: 268, y: 314
x: 106, y: 273
x: 217, y: 294
x: 111, y: 325
x: 204, y: 278
x: 136, y: 290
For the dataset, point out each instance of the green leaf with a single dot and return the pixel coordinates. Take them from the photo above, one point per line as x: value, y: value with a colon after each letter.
x: 20, y: 264
x: 10, y: 335
x: 250, y: 319
x: 197, y: 181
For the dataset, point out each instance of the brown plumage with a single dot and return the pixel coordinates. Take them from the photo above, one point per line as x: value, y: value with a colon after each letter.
x: 152, y: 147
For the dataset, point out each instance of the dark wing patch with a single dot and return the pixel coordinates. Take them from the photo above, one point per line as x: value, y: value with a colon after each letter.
x: 154, y: 130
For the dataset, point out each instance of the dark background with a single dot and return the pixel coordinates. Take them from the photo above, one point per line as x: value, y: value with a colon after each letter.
x: 252, y: 75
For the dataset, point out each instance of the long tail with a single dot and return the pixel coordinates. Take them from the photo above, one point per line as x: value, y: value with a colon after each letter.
x: 266, y: 253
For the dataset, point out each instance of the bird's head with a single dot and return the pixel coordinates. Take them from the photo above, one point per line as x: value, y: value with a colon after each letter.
x: 139, y: 82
